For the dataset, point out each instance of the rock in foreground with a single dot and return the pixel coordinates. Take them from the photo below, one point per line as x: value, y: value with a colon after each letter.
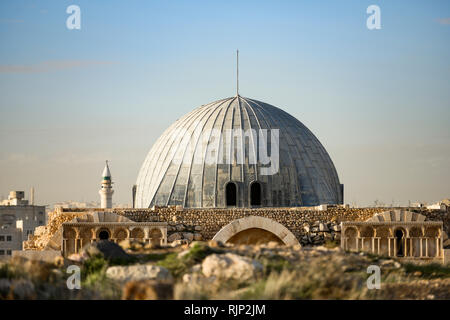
x: 231, y: 266
x: 138, y: 272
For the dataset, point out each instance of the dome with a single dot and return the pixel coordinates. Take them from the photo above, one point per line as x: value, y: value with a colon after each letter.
x: 237, y: 152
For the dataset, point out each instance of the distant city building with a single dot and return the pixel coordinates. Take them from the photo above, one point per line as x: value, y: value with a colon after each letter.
x: 438, y: 206
x: 80, y: 204
x: 76, y: 204
x: 18, y: 219
x: 417, y: 205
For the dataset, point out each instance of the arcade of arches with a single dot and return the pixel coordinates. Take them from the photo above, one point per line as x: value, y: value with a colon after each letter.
x: 411, y: 240
x: 76, y: 235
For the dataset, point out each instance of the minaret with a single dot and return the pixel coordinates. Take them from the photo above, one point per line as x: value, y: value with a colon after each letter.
x: 106, y: 191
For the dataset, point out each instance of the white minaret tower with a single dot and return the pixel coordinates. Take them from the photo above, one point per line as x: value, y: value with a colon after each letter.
x: 106, y: 191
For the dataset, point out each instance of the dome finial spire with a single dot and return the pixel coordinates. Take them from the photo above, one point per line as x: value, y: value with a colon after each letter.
x: 237, y: 72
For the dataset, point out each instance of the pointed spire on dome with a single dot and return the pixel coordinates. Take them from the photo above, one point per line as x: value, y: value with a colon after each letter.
x: 106, y: 173
x: 237, y: 73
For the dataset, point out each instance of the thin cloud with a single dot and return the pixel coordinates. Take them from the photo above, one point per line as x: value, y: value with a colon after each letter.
x: 19, y: 158
x: 11, y: 21
x: 49, y: 66
x: 69, y: 159
x: 443, y: 21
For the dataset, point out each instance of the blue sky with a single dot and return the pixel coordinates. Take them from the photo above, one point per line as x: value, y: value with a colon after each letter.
x: 379, y: 100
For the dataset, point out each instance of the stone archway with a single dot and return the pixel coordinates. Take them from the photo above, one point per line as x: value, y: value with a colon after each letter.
x: 256, y: 222
x: 103, y: 234
x: 155, y: 236
x: 137, y: 234
x: 351, y: 235
x: 400, y: 244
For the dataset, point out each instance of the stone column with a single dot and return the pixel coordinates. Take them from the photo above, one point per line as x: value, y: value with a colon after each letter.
x: 165, y: 236
x: 437, y: 248
x: 405, y: 247
x: 64, y: 247
x: 76, y: 244
x: 146, y: 235
x: 420, y: 247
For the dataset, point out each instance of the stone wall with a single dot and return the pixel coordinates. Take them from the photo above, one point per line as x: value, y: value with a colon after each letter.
x: 309, y: 226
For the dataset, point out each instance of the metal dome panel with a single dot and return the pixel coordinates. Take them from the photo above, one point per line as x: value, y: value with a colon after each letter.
x: 218, y: 143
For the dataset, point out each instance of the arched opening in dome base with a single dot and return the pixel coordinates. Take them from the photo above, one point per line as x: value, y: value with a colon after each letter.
x: 231, y: 194
x: 255, y: 229
x: 255, y: 194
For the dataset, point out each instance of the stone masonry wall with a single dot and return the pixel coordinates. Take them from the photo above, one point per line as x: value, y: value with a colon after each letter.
x: 309, y: 226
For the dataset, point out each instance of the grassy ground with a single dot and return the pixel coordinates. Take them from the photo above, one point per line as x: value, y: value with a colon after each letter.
x: 288, y: 273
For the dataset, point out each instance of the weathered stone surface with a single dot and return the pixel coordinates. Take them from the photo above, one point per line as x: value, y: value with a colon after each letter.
x: 107, y: 249
x: 336, y: 228
x: 446, y: 243
x: 212, y: 220
x: 188, y: 236
x: 47, y: 256
x: 272, y: 244
x: 138, y: 273
x: 78, y: 257
x: 390, y: 264
x: 179, y: 242
x: 198, y: 236
x: 174, y: 236
x: 230, y: 266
